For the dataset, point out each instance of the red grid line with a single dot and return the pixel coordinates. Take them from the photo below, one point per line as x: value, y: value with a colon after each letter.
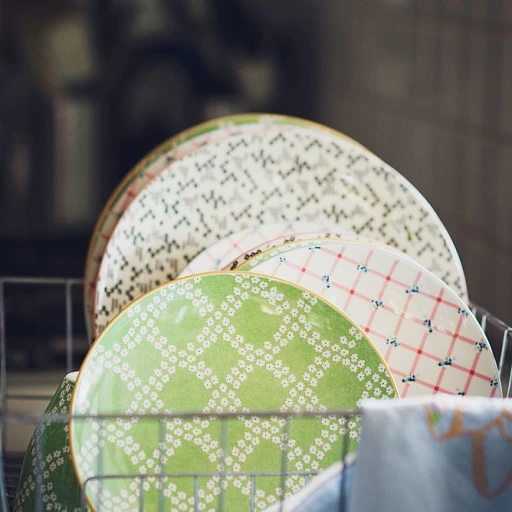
x: 381, y: 293
x: 397, y: 282
x: 404, y: 312
x: 419, y: 352
x: 376, y: 334
x: 354, y: 284
x: 472, y: 369
x: 374, y: 272
x: 437, y: 360
x: 235, y: 244
x: 310, y: 273
x: 337, y: 261
x: 471, y: 372
x: 401, y: 316
x: 397, y: 330
x: 334, y: 253
x: 450, y: 350
x: 422, y: 383
x: 400, y: 283
x: 445, y: 302
x: 450, y: 334
x: 419, y: 321
x: 302, y: 269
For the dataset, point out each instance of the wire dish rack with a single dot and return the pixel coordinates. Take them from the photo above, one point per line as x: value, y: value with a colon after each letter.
x: 21, y: 409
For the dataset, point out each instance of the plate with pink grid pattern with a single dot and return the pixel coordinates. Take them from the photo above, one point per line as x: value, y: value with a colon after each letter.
x: 425, y: 332
x: 263, y: 236
x: 305, y: 236
x: 232, y: 250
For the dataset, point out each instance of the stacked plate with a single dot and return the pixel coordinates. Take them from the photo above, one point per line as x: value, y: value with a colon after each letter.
x: 259, y: 263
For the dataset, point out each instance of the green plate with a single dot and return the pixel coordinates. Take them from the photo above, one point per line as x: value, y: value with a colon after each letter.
x: 47, y: 475
x: 212, y: 343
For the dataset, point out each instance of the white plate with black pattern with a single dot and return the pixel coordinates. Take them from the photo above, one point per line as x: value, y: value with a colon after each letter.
x: 297, y: 175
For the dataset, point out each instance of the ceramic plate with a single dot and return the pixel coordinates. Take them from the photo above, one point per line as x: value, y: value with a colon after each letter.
x: 218, y: 342
x: 428, y: 336
x: 304, y: 238
x: 236, y: 248
x: 47, y: 474
x: 256, y: 238
x: 170, y: 151
x: 227, y: 186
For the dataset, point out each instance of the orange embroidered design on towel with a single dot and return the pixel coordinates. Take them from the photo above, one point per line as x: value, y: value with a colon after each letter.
x: 478, y: 435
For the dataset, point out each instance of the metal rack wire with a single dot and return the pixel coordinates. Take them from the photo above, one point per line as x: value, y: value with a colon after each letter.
x: 498, y: 331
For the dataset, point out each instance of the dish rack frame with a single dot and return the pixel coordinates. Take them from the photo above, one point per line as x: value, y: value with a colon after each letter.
x: 10, y: 463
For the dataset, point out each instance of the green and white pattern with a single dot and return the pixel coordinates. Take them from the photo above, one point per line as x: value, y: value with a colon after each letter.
x: 47, y: 477
x: 214, y: 343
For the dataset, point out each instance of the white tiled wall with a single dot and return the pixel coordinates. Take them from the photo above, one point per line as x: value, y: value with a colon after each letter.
x: 427, y: 85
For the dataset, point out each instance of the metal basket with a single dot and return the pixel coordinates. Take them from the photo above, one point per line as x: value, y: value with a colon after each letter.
x: 13, y: 417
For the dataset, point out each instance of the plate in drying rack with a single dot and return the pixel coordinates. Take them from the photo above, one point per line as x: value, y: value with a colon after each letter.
x: 428, y: 336
x: 294, y: 175
x: 212, y: 343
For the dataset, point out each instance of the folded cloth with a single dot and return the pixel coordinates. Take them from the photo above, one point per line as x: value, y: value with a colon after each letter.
x: 324, y: 491
x: 436, y: 454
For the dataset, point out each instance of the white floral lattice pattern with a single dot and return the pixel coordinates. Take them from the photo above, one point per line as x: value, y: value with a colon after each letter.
x: 222, y: 342
x: 47, y: 475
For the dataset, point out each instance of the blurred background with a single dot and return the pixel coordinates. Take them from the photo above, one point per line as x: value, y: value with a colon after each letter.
x: 88, y: 87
